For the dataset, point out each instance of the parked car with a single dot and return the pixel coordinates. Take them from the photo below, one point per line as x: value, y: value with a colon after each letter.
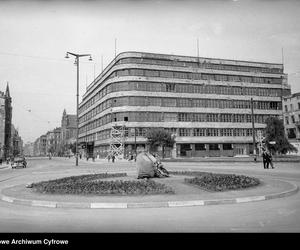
x: 19, y: 162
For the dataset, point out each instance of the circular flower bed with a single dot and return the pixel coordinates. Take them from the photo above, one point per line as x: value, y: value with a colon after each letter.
x: 92, y: 184
x: 218, y: 182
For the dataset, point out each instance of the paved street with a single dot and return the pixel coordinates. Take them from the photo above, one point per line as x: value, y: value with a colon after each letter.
x: 276, y: 215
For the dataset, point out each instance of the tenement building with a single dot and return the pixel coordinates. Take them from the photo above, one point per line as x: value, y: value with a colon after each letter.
x: 68, y: 131
x: 291, y: 114
x: 204, y: 102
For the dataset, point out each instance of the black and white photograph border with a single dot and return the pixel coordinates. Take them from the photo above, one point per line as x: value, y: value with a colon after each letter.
x: 148, y: 117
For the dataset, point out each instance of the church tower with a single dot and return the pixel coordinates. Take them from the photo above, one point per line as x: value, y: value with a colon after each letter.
x: 7, y: 127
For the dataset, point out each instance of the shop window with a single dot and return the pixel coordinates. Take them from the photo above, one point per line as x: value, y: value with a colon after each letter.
x: 200, y: 147
x: 227, y: 146
x: 214, y: 146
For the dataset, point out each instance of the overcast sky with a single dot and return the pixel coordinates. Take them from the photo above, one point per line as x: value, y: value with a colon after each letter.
x: 35, y: 36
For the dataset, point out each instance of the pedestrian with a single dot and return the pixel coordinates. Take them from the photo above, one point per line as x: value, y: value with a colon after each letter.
x: 270, y: 159
x: 113, y: 159
x: 108, y: 158
x: 265, y: 158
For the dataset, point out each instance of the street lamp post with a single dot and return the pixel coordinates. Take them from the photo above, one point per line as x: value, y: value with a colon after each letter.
x: 77, y: 56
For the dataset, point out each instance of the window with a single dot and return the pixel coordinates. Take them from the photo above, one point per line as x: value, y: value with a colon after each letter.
x: 183, y: 102
x: 136, y: 72
x: 287, y: 120
x: 153, y: 101
x: 211, y: 132
x: 199, y: 131
x: 227, y: 146
x: 169, y: 102
x: 170, y: 117
x: 293, y: 119
x: 200, y: 146
x: 151, y: 73
x: 214, y: 146
x: 184, y: 132
x: 170, y: 87
x: 167, y: 74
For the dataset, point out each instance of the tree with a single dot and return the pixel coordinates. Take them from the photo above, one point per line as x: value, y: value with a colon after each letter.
x: 72, y: 146
x: 274, y: 131
x: 159, y: 137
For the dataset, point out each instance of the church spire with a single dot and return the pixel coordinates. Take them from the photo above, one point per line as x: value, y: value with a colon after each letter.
x: 7, y: 94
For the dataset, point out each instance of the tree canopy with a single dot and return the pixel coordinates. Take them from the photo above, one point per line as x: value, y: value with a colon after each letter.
x: 274, y: 131
x: 159, y: 137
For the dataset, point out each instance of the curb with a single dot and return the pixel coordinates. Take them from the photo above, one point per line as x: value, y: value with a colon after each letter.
x: 54, y: 204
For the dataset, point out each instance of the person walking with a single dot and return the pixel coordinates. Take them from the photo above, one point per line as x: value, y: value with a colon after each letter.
x: 265, y: 158
x: 113, y: 159
x: 270, y: 159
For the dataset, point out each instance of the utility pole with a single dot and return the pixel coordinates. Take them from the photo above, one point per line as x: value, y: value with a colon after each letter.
x: 77, y: 56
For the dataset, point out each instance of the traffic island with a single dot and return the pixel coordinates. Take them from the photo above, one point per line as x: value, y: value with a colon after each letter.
x: 183, y: 193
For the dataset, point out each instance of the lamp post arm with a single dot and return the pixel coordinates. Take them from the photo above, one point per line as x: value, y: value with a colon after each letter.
x: 76, y: 55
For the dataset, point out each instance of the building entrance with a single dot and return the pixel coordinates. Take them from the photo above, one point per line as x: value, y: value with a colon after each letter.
x: 185, y: 149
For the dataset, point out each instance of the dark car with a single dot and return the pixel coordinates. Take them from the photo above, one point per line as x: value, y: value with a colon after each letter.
x: 19, y: 162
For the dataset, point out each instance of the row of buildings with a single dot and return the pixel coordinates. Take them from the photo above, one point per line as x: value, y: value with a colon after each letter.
x: 55, y: 142
x: 205, y: 103
x: 11, y: 143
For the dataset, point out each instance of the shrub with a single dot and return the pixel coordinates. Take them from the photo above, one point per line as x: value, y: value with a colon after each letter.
x: 90, y: 184
x: 218, y: 182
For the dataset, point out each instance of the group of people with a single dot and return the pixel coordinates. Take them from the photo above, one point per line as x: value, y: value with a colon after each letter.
x: 113, y: 158
x: 267, y: 159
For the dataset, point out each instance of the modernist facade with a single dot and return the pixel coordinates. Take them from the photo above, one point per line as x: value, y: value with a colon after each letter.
x: 291, y: 114
x: 204, y: 102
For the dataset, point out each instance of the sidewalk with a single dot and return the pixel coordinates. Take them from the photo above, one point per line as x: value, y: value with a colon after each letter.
x: 4, y: 165
x: 232, y: 159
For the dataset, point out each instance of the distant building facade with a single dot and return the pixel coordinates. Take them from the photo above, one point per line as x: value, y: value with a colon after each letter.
x: 40, y: 146
x: 16, y: 142
x: 68, y: 131
x: 204, y: 102
x: 2, y: 123
x: 5, y: 124
x: 53, y: 142
x: 291, y: 116
x: 28, y: 149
